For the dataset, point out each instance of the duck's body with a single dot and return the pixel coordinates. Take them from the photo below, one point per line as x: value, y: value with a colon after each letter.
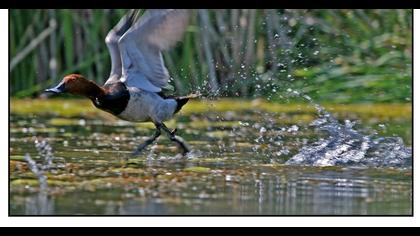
x: 133, y: 92
x: 154, y: 107
x: 136, y: 105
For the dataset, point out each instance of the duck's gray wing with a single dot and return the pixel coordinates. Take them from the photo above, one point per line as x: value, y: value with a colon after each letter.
x: 142, y: 44
x: 111, y: 41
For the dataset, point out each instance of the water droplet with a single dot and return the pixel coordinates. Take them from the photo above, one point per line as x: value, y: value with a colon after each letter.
x: 82, y: 122
x: 293, y: 128
x: 307, y: 97
x: 228, y: 178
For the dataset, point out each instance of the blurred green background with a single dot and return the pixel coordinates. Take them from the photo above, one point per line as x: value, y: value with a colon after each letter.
x: 334, y: 56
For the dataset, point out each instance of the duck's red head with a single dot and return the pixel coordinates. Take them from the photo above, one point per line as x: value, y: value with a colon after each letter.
x: 77, y: 84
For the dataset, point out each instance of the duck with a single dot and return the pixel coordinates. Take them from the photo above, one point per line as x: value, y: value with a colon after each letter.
x: 134, y: 90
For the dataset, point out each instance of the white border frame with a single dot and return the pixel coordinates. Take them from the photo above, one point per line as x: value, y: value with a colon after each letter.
x: 5, y: 220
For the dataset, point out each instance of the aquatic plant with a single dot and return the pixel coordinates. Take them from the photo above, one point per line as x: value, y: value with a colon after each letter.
x: 341, y: 56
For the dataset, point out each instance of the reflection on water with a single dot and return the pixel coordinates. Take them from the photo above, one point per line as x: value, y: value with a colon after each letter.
x: 279, y: 191
x: 237, y: 168
x: 39, y: 204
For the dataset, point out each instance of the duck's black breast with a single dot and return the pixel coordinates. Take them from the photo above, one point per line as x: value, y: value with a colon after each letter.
x: 115, y: 99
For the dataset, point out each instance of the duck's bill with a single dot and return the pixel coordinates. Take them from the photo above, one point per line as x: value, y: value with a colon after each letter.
x: 57, y: 89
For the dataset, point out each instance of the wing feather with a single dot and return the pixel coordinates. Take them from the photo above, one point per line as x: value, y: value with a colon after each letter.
x: 111, y: 41
x: 142, y: 45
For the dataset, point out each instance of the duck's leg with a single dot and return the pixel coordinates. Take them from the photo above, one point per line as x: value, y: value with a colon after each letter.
x: 148, y: 141
x: 176, y: 139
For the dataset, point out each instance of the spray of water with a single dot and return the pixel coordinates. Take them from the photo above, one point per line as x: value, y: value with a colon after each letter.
x: 40, y: 203
x: 342, y: 144
x: 346, y: 146
x: 45, y: 152
x: 39, y: 173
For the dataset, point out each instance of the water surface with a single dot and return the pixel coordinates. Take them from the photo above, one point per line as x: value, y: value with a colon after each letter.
x: 237, y: 166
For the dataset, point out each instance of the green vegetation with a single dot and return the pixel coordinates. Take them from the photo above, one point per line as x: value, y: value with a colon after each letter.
x: 84, y: 108
x: 69, y: 112
x: 338, y: 56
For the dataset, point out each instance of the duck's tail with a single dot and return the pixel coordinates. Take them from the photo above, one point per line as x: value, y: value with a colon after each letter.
x: 181, y: 101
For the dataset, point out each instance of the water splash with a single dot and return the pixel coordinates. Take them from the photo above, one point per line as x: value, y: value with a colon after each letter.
x: 346, y: 146
x: 40, y: 203
x: 39, y: 173
x: 45, y: 152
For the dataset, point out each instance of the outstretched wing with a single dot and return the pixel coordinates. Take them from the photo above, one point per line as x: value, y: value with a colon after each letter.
x: 111, y: 41
x: 142, y: 44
